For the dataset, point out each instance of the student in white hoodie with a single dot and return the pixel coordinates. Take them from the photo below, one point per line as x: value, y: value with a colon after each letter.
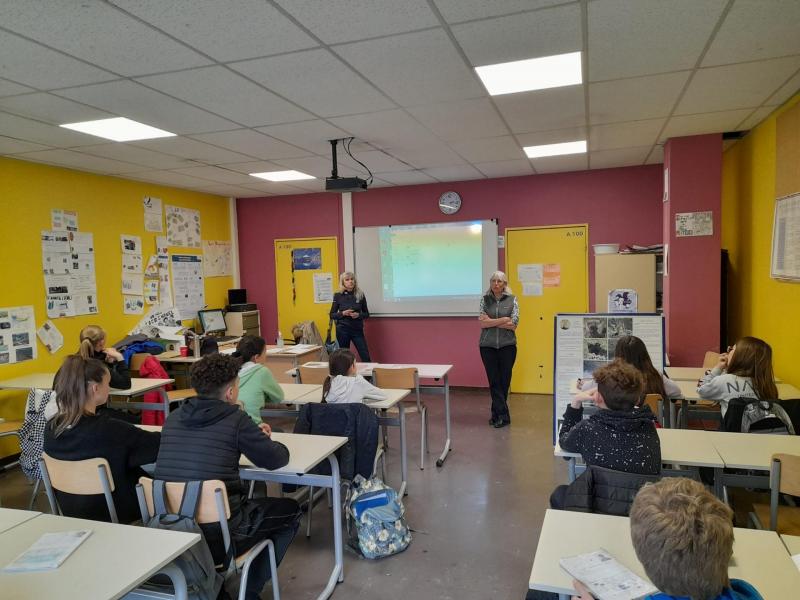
x: 745, y: 371
x: 344, y: 384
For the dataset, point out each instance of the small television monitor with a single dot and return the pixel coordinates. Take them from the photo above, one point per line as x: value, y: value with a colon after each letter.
x: 237, y: 296
x: 212, y: 321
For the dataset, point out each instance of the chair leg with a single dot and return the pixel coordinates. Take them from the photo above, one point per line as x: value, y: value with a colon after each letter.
x: 34, y: 493
x: 423, y: 442
x: 310, y: 510
x: 252, y: 489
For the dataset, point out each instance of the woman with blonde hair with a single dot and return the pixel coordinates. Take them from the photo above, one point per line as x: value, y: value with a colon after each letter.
x: 349, y: 309
x: 498, y: 318
x: 93, y: 345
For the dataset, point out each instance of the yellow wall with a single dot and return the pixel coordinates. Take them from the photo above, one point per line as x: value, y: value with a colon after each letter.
x: 107, y: 207
x: 758, y: 305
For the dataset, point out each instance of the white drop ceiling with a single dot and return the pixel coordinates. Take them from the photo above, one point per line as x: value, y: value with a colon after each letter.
x: 258, y: 85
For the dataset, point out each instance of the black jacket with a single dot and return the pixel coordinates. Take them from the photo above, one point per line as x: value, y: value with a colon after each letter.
x: 353, y: 420
x: 619, y: 440
x: 604, y: 491
x: 120, y: 377
x: 205, y: 438
x: 347, y: 301
x: 123, y: 445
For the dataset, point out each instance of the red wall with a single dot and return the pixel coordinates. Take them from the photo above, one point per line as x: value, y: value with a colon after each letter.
x: 620, y: 205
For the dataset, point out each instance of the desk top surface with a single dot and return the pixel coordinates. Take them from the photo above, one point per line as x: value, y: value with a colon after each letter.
x: 291, y: 351
x: 111, y: 562
x: 690, y: 373
x: 315, y: 395
x: 786, y: 391
x: 365, y: 369
x: 295, y: 391
x: 11, y: 517
x: 792, y: 543
x: 44, y: 381
x: 752, y: 451
x: 305, y: 451
x: 759, y: 557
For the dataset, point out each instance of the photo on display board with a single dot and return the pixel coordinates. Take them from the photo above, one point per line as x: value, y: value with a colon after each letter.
x: 590, y: 366
x: 595, y: 327
x: 20, y: 339
x: 4, y: 358
x: 595, y: 349
x: 620, y: 326
x: 24, y: 354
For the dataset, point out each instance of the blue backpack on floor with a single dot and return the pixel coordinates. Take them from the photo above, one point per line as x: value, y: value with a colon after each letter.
x: 375, y: 521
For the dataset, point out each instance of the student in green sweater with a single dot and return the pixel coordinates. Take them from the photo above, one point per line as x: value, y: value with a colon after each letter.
x: 257, y: 386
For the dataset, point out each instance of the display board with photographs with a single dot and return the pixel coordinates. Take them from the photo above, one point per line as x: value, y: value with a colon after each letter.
x: 586, y: 342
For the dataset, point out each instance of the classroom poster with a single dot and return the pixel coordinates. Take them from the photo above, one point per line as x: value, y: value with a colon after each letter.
x: 323, y: 288
x: 152, y: 214
x: 50, y: 336
x: 306, y: 259
x: 162, y: 262
x: 216, y: 258
x: 63, y: 220
x: 132, y: 305
x: 17, y: 334
x: 151, y: 291
x: 693, y: 224
x: 183, y: 227
x: 188, y: 285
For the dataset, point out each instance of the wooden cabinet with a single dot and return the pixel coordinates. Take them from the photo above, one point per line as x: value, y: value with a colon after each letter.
x: 627, y: 271
x: 243, y: 323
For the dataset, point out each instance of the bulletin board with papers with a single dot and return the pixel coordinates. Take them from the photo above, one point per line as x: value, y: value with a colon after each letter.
x: 786, y: 239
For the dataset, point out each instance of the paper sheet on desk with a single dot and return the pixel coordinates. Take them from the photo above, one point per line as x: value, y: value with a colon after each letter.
x: 796, y: 559
x: 298, y: 349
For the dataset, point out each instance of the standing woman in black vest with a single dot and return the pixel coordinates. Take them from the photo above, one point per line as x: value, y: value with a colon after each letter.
x: 499, y: 316
x: 349, y: 309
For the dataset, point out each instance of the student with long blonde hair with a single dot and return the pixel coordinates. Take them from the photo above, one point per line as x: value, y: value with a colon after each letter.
x: 349, y: 310
x: 93, y: 345
x: 78, y: 432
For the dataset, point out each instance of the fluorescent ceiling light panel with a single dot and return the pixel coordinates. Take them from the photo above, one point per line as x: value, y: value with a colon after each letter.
x: 555, y: 149
x: 119, y: 129
x: 532, y: 74
x: 282, y: 175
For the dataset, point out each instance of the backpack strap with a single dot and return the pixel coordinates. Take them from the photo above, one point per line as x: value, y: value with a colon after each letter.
x: 159, y: 497
x: 191, y: 498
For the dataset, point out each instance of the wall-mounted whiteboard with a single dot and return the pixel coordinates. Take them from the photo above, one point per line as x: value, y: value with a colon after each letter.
x: 585, y: 342
x: 430, y: 269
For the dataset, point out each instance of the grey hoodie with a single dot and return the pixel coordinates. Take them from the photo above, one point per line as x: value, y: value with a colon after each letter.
x: 353, y: 389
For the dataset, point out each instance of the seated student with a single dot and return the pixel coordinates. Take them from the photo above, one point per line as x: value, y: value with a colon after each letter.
x: 208, y: 345
x: 78, y: 432
x: 344, y: 384
x: 618, y: 436
x: 257, y: 386
x: 204, y: 439
x: 745, y: 371
x: 93, y: 345
x: 633, y: 351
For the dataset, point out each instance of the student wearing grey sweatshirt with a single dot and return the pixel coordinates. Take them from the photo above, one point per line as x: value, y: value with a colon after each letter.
x: 344, y: 384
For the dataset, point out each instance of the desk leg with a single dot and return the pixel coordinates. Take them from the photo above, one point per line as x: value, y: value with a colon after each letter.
x: 403, y: 450
x: 163, y: 392
x: 684, y: 414
x: 446, y: 451
x: 719, y: 487
x: 336, y: 492
x: 571, y: 469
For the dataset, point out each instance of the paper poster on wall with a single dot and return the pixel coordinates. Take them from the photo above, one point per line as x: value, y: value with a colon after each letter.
x: 131, y: 244
x: 532, y: 288
x: 216, y: 258
x: 85, y: 302
x: 60, y: 305
x: 306, y: 259
x: 533, y: 273
x: 50, y: 336
x: 183, y: 227
x: 151, y: 291
x: 152, y: 214
x: 552, y: 275
x: 81, y: 242
x: 694, y: 224
x: 157, y: 317
x: 132, y: 284
x: 151, y: 269
x: 17, y: 334
x: 131, y: 263
x: 55, y: 242
x: 323, y: 288
x: 64, y: 220
x: 132, y: 305
x: 188, y: 285
x: 56, y: 263
x: 623, y: 300
x: 785, y: 263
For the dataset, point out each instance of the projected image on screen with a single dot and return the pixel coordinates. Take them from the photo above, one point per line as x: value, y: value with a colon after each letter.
x: 421, y: 261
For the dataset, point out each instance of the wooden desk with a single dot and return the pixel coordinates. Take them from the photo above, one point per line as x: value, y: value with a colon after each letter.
x: 690, y: 373
x: 792, y: 543
x: 11, y: 517
x: 759, y: 557
x: 39, y: 381
x: 753, y: 451
x: 295, y: 391
x: 110, y: 563
x: 289, y: 357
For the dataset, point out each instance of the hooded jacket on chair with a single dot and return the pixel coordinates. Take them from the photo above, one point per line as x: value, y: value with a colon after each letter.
x: 604, y: 491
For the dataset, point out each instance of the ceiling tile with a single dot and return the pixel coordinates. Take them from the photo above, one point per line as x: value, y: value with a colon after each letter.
x: 656, y: 156
x: 99, y: 34
x: 756, y: 117
x: 745, y: 85
x: 224, y: 189
x: 169, y: 178
x: 455, y: 173
x: 636, y: 98
x: 217, y: 174
x: 318, y: 166
x: 42, y: 68
x: 272, y: 188
x: 623, y: 135
x: 252, y: 143
x: 82, y: 162
x: 310, y: 185
x: 9, y: 88
x: 789, y: 89
x: 437, y: 155
x: 407, y: 178
x: 461, y: 120
x: 505, y: 168
x: 754, y: 29
x: 252, y: 27
x: 543, y: 110
x: 643, y: 37
x: 51, y: 109
x: 254, y: 166
x: 336, y: 21
x: 555, y: 136
x: 42, y: 133
x: 561, y: 164
x: 489, y: 149
x: 415, y: 68
x: 11, y: 146
x: 135, y: 101
x: 377, y: 161
x: 717, y: 122
x: 386, y: 129
x: 193, y: 150
x: 379, y: 183
x: 455, y: 11
x: 621, y: 157
x: 140, y: 156
x: 316, y: 80
x: 309, y: 135
x: 522, y: 36
x: 227, y: 94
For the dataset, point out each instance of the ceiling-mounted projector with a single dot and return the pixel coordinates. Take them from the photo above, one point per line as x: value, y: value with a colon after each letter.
x: 334, y: 183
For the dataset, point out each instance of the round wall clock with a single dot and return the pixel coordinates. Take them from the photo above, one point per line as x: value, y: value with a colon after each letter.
x: 449, y: 203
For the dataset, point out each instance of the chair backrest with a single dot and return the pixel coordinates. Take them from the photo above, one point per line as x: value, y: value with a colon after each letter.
x: 79, y: 477
x: 789, y: 473
x: 652, y: 401
x: 206, y: 509
x: 405, y: 378
x: 710, y: 360
x: 312, y: 375
x: 137, y: 360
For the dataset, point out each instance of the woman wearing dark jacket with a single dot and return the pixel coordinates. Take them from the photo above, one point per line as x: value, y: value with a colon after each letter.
x: 349, y: 309
x: 77, y: 432
x: 93, y: 345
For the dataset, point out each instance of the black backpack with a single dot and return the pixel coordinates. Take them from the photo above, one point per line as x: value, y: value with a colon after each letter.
x: 747, y: 415
x: 202, y: 580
